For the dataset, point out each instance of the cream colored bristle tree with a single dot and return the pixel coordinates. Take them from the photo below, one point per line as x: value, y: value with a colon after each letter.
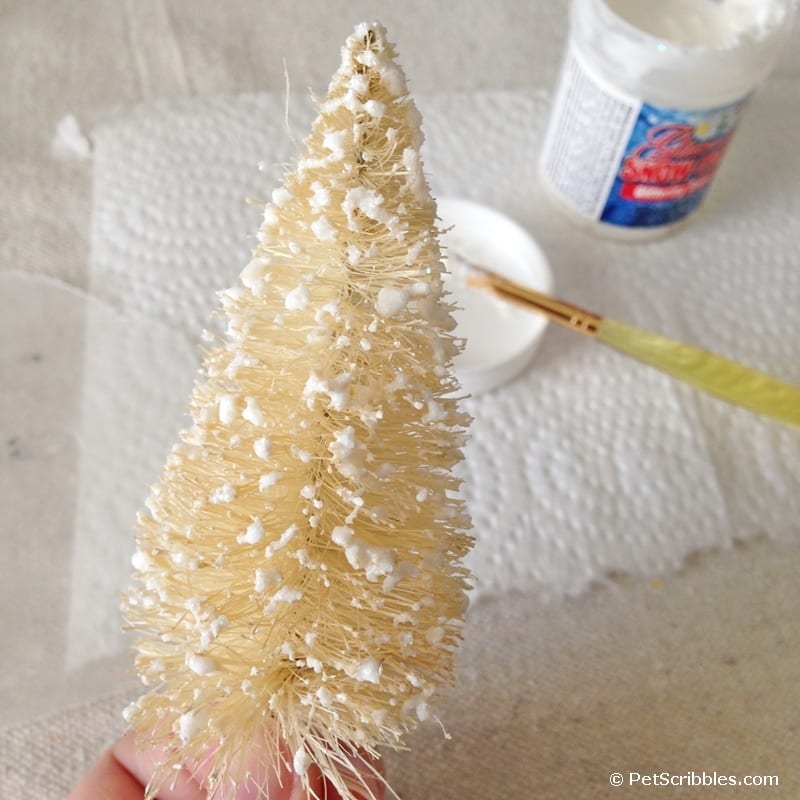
x: 298, y: 584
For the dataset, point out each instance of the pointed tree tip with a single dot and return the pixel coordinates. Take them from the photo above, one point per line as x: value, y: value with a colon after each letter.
x: 373, y: 27
x: 367, y: 49
x: 371, y: 33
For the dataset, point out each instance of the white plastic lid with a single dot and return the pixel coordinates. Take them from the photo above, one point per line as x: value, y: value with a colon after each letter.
x: 500, y: 338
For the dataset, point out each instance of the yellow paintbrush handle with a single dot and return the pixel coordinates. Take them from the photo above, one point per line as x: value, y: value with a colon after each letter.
x: 711, y: 373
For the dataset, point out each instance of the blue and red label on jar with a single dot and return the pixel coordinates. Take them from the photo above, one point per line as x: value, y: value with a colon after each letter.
x: 616, y: 159
x: 668, y: 164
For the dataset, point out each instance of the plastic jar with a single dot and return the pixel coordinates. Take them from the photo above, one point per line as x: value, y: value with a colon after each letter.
x: 650, y: 95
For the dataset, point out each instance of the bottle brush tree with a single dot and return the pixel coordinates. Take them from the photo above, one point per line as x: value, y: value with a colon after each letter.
x: 298, y: 585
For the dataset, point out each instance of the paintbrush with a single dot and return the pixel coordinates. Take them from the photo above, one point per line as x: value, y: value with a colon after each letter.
x: 708, y: 372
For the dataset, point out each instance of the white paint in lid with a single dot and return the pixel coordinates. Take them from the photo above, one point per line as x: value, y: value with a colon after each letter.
x: 500, y: 338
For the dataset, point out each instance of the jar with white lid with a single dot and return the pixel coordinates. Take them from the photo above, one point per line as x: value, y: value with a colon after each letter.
x: 651, y: 93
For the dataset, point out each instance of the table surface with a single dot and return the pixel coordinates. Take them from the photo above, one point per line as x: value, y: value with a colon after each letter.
x: 696, y: 670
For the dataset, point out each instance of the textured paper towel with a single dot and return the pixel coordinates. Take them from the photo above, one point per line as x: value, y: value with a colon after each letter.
x: 587, y: 465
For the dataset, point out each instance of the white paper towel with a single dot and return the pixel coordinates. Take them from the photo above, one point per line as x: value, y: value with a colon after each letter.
x: 586, y: 466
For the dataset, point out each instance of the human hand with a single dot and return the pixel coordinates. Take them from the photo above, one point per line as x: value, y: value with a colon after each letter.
x: 123, y: 771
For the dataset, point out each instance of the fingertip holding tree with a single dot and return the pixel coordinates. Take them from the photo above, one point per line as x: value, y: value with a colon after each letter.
x: 299, y: 588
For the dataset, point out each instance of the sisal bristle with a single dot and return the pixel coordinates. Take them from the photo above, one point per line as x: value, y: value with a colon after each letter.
x: 298, y: 576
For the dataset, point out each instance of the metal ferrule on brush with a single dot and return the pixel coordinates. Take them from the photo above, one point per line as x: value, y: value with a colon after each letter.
x: 566, y: 314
